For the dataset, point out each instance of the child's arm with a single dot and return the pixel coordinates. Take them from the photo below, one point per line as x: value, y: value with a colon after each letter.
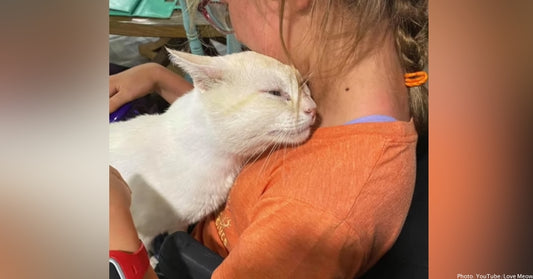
x: 122, y: 233
x: 144, y: 79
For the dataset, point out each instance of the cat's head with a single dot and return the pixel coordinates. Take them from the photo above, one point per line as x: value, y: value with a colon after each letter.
x: 252, y: 100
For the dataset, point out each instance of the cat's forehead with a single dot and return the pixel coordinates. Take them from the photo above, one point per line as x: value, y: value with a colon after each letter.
x: 261, y: 71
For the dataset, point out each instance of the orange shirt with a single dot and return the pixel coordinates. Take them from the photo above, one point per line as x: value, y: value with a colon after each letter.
x: 329, y: 208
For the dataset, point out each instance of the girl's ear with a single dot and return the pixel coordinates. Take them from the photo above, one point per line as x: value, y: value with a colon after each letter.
x: 205, y: 71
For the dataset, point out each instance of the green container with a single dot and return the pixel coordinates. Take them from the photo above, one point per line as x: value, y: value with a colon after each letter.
x: 143, y: 8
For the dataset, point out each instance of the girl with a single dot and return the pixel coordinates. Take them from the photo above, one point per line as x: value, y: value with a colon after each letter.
x: 333, y: 206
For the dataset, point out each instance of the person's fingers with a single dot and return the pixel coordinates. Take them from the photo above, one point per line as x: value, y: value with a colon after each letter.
x: 119, y: 189
x: 122, y: 233
x: 116, y: 175
x: 112, y: 86
x: 116, y: 101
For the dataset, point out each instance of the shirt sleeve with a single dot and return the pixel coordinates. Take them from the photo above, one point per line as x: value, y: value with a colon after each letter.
x: 292, y: 239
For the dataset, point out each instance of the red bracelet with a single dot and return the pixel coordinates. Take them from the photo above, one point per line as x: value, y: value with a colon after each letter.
x: 133, y: 265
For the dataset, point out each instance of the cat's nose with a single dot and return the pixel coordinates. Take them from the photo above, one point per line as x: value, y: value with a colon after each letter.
x: 311, y: 112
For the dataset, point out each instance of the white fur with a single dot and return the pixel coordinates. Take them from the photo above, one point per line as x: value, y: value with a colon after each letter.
x: 181, y: 164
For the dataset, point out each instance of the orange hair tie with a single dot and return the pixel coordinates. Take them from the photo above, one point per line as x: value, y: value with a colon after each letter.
x: 415, y: 79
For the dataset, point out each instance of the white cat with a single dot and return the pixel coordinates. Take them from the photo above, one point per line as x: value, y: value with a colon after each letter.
x: 181, y: 164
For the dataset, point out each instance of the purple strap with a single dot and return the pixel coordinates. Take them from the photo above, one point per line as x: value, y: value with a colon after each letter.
x: 371, y: 118
x: 119, y: 114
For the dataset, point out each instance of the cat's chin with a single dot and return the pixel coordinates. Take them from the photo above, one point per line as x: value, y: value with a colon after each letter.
x: 302, y: 136
x: 295, y: 136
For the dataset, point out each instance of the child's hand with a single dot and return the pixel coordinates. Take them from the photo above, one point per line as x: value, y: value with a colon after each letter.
x: 119, y: 191
x: 141, y: 80
x: 131, y: 84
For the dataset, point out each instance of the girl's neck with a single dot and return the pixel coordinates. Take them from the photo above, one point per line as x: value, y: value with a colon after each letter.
x: 375, y: 85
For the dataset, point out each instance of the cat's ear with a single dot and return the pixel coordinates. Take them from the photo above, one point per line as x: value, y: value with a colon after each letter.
x: 205, y: 71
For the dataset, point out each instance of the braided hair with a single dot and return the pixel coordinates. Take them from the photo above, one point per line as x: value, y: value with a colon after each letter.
x: 410, y: 22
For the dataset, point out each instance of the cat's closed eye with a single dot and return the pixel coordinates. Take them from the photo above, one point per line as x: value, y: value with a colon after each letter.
x: 279, y: 93
x: 275, y: 93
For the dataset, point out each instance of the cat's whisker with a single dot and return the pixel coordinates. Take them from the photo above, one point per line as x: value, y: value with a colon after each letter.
x: 285, y: 151
x: 280, y: 142
x: 259, y: 154
x: 249, y: 159
x: 267, y: 158
x: 255, y: 158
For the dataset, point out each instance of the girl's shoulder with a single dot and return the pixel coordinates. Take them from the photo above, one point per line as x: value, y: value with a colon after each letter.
x: 336, y: 167
x: 393, y: 130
